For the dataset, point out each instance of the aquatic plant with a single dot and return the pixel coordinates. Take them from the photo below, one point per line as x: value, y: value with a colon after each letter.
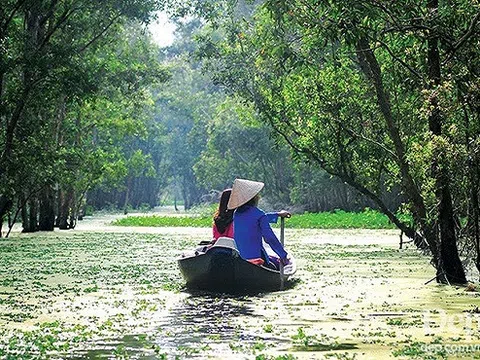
x: 339, y: 219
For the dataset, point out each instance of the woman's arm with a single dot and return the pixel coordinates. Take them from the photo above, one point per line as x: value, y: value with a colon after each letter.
x: 270, y: 237
x: 273, y: 216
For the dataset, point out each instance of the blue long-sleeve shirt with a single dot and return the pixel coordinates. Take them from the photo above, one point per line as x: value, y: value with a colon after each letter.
x: 250, y: 225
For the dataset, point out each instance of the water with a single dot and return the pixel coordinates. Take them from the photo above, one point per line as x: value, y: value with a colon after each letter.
x: 101, y: 292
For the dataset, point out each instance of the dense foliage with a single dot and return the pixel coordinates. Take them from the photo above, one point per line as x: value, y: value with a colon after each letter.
x: 74, y: 100
x: 201, y: 140
x: 87, y: 118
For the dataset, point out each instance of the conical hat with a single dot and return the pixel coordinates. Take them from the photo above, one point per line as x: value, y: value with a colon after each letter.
x: 243, y: 191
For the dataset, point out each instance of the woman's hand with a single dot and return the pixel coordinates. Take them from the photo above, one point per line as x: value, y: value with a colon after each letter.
x: 284, y: 214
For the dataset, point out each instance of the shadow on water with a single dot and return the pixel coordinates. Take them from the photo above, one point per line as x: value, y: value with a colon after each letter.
x: 201, y: 319
x: 204, y: 315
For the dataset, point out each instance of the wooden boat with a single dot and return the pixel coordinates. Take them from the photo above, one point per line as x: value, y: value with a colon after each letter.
x: 220, y: 268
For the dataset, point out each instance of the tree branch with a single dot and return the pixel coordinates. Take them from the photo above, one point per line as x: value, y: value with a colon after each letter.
x: 63, y: 18
x: 463, y: 39
x: 12, y: 14
x: 50, y: 12
x: 396, y: 58
x: 99, y: 35
x: 372, y: 141
x: 403, y: 28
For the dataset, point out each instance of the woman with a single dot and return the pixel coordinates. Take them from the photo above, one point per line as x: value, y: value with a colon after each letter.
x: 252, y: 224
x: 223, y: 218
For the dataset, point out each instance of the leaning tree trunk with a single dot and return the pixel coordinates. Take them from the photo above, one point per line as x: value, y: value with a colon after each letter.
x: 449, y: 265
x: 372, y: 70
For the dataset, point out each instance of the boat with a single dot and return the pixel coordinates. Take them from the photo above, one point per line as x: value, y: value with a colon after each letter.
x: 220, y: 268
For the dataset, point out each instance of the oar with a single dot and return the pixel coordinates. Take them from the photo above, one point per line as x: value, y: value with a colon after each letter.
x: 282, y: 241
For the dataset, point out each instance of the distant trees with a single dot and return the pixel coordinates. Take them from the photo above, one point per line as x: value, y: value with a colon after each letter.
x: 200, y: 140
x: 214, y: 138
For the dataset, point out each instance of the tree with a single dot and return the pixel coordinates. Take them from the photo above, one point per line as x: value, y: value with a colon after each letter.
x: 239, y: 146
x: 221, y: 137
x: 109, y: 124
x: 182, y: 108
x: 218, y: 137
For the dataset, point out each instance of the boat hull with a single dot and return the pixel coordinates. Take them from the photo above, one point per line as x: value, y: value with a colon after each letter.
x: 224, y: 270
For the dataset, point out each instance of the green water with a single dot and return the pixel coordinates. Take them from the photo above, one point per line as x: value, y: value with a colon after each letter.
x: 88, y: 294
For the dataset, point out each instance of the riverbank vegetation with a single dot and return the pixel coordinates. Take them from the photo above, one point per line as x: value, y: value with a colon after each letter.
x: 75, y: 101
x: 376, y: 95
x: 367, y: 219
x: 110, y: 120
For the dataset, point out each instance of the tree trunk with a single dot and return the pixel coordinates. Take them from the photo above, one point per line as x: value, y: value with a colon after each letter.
x: 175, y: 190
x: 30, y: 215
x: 473, y: 163
x: 25, y: 218
x: 449, y: 265
x: 5, y: 206
x: 64, y: 210
x: 474, y: 213
x: 58, y: 205
x: 82, y: 204
x: 371, y: 68
x: 476, y: 220
x: 47, y: 210
x: 186, y: 199
x: 33, y: 213
x: 72, y: 216
x: 127, y: 195
x: 175, y: 202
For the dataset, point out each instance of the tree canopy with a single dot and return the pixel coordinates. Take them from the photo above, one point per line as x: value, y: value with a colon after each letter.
x: 74, y: 81
x: 377, y: 94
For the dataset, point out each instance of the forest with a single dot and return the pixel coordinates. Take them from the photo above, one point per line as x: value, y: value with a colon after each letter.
x: 113, y: 121
x: 375, y: 107
x: 335, y: 105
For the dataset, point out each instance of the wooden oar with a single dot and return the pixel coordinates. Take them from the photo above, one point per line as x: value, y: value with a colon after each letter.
x: 282, y: 241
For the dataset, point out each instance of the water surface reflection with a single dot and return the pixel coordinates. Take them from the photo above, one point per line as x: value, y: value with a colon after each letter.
x: 206, y: 320
x: 200, y: 323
